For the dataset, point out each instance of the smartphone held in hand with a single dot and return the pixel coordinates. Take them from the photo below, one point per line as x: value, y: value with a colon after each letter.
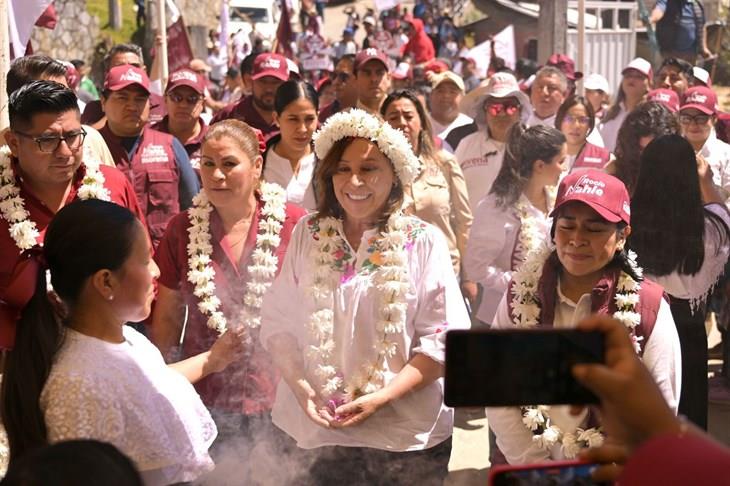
x: 551, y: 473
x: 500, y: 368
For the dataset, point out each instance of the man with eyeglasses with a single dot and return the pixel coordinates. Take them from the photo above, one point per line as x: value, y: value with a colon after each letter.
x: 495, y: 108
x: 269, y: 72
x: 345, y: 84
x: 184, y: 100
x: 156, y: 163
x: 697, y: 117
x: 46, y: 172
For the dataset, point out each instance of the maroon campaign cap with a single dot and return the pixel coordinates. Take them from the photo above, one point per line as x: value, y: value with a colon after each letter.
x: 119, y: 77
x: 368, y: 55
x: 186, y: 77
x: 700, y: 98
x: 604, y: 193
x: 268, y: 64
x: 667, y: 97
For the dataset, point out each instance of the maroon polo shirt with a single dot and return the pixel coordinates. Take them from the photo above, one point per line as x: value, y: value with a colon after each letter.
x: 247, y: 386
x: 18, y: 270
x: 244, y: 110
x: 193, y: 145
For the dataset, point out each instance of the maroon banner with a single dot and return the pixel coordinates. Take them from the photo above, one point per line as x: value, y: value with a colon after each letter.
x: 179, y: 52
x: 48, y: 19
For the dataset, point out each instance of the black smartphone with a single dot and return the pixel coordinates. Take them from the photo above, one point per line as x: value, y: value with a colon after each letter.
x: 571, y: 473
x: 501, y: 368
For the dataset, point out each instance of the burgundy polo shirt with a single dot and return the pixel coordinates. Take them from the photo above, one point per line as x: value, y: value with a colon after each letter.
x: 18, y: 270
x: 244, y: 110
x: 193, y: 145
x: 247, y: 386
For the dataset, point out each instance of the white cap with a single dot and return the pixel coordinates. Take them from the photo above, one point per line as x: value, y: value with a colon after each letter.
x: 500, y: 85
x: 368, y: 19
x: 639, y: 64
x: 597, y: 82
x: 701, y: 75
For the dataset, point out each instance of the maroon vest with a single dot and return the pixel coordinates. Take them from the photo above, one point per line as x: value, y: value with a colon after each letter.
x: 602, y: 297
x: 154, y: 174
x: 591, y: 157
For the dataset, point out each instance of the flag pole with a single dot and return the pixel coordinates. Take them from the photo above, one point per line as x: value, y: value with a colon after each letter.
x: 162, y: 25
x: 4, y: 62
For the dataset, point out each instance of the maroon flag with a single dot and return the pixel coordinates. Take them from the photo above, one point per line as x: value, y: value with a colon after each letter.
x: 284, y: 34
x: 48, y: 18
x: 179, y: 52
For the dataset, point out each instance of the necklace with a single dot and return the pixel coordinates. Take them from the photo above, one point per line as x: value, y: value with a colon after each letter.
x: 263, y: 260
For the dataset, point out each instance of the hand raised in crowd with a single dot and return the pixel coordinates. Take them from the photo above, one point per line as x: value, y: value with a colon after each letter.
x: 710, y: 192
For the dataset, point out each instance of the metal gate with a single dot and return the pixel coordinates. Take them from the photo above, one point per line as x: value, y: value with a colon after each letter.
x: 610, y: 38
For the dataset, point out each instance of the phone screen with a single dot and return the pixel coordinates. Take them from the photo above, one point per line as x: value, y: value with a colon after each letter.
x: 575, y: 474
x: 500, y: 368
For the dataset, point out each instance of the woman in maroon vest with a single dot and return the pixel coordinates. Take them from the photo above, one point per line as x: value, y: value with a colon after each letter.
x: 219, y: 257
x: 576, y: 119
x: 587, y: 271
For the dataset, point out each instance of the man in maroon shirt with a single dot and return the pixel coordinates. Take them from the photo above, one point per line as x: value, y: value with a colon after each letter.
x: 46, y: 172
x: 345, y: 84
x: 269, y: 72
x: 184, y: 100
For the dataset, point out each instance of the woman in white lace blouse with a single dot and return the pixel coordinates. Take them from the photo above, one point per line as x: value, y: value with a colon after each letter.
x: 81, y: 373
x: 362, y: 350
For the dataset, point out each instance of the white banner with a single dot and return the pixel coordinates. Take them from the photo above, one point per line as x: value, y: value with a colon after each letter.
x: 381, y: 5
x: 504, y: 47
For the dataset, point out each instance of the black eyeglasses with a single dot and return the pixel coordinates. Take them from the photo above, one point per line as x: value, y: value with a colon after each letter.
x: 192, y: 99
x: 47, y: 144
x: 697, y: 119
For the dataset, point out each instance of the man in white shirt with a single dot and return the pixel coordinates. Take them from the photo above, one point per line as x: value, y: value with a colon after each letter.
x: 447, y: 91
x: 697, y: 117
x: 495, y: 108
x: 547, y: 93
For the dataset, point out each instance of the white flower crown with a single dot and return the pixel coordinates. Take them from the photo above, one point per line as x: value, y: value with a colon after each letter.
x: 358, y: 123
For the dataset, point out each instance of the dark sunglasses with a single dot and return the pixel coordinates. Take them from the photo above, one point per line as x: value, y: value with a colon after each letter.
x: 176, y: 98
x: 495, y: 109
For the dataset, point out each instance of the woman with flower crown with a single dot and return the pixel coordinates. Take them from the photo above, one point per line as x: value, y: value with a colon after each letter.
x: 513, y: 218
x: 219, y: 258
x: 361, y: 352
x: 587, y: 271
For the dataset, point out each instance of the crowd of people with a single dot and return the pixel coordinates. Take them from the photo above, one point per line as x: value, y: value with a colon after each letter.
x: 183, y: 276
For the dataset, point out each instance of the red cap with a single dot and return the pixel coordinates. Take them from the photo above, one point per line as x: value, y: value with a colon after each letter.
x: 436, y: 66
x: 565, y: 64
x: 667, y: 97
x: 368, y: 55
x: 700, y: 98
x: 268, y: 64
x: 186, y: 77
x: 119, y: 77
x: 604, y: 193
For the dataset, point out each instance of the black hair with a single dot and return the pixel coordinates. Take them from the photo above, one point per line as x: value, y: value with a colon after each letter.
x: 667, y: 211
x: 25, y: 69
x: 524, y: 146
x: 121, y: 49
x: 425, y: 138
x: 287, y: 93
x: 247, y: 64
x: 650, y: 118
x: 683, y: 66
x: 106, y: 232
x: 39, y: 97
x: 570, y: 103
x: 74, y: 462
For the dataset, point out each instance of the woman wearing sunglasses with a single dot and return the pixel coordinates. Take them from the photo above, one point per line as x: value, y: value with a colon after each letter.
x: 576, y: 120
x: 495, y: 108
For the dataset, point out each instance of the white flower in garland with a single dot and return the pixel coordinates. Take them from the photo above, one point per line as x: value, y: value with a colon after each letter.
x: 358, y: 123
x: 263, y: 259
x: 391, y: 283
x: 525, y: 310
x: 12, y: 207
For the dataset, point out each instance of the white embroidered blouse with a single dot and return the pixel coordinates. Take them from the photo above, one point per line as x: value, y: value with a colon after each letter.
x: 298, y: 186
x: 126, y: 395
x: 420, y: 419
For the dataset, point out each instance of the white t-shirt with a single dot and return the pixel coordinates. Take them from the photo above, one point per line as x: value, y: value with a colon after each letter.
x: 298, y: 186
x: 418, y: 420
x: 442, y: 131
x: 662, y: 357
x: 609, y: 129
x: 490, y: 249
x: 717, y: 154
x: 126, y: 395
x: 480, y: 159
x: 536, y: 120
x: 696, y: 287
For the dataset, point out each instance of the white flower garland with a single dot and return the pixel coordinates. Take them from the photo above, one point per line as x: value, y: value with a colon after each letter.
x: 526, y: 311
x: 529, y: 236
x: 12, y: 207
x: 358, y: 123
x: 263, y: 260
x: 392, y: 284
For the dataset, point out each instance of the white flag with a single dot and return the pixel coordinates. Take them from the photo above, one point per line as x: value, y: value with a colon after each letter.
x: 22, y: 16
